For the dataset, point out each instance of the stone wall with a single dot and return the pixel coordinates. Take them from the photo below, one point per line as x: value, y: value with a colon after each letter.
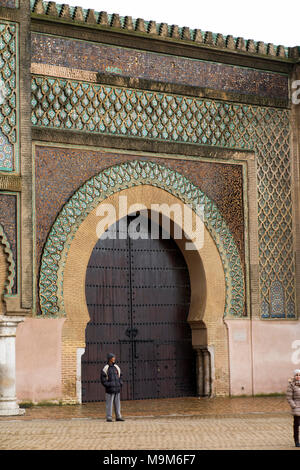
x: 107, y: 89
x: 109, y: 110
x: 62, y: 54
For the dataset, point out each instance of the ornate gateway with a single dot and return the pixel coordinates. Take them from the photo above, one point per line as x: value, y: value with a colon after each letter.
x: 138, y: 297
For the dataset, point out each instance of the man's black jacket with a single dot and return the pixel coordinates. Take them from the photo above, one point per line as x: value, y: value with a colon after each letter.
x: 111, y: 380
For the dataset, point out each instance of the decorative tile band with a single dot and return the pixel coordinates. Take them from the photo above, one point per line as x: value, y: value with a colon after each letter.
x: 63, y: 72
x: 82, y: 106
x: 110, y: 181
x: 8, y: 94
x: 90, y: 57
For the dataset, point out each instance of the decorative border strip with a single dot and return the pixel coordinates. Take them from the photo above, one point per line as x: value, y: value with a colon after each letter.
x: 162, y: 30
x: 10, y: 183
x: 10, y: 261
x: 110, y: 181
x: 9, y: 96
x: 9, y: 3
x: 64, y: 72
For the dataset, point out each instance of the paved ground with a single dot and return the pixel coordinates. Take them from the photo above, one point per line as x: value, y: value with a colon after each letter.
x: 189, y: 423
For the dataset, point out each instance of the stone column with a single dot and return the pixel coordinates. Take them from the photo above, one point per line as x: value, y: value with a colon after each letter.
x: 199, y: 372
x: 8, y: 400
x: 203, y: 366
x: 207, y: 373
x: 80, y: 352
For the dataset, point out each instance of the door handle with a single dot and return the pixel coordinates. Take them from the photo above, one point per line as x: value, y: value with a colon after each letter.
x: 131, y: 332
x: 128, y: 332
x: 134, y: 332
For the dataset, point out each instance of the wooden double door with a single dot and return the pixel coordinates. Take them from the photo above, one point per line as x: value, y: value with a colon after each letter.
x: 138, y: 297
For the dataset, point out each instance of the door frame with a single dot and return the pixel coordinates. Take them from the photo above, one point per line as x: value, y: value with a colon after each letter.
x: 207, y: 285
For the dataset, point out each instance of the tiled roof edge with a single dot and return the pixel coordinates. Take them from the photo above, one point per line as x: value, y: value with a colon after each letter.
x: 163, y: 30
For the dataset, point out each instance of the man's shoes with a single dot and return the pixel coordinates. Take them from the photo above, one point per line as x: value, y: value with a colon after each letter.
x: 109, y: 420
x: 297, y: 444
x: 120, y: 419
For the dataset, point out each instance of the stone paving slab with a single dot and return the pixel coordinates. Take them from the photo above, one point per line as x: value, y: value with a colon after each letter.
x: 168, y: 424
x: 259, y: 432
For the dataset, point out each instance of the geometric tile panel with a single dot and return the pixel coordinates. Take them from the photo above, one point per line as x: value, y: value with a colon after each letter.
x: 95, y: 108
x: 8, y: 94
x: 6, y: 154
x: 114, y: 179
x: 277, y: 299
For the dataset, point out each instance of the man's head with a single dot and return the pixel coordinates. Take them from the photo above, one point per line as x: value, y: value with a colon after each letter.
x: 111, y: 358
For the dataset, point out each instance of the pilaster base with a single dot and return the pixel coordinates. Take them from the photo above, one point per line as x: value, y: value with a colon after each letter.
x: 8, y: 399
x: 12, y: 412
x: 9, y: 407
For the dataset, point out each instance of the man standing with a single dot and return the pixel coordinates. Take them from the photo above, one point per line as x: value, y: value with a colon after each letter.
x: 111, y: 378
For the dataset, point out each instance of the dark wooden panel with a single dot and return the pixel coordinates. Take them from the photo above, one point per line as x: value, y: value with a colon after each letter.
x: 138, y: 296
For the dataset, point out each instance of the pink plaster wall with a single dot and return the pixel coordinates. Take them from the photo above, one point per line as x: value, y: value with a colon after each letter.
x: 38, y: 359
x: 240, y: 358
x: 274, y: 357
x: 263, y: 355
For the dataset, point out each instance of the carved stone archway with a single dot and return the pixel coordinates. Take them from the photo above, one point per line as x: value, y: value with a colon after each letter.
x: 217, y: 280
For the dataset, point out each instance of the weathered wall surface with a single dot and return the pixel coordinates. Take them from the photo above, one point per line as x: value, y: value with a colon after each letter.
x: 192, y: 101
x: 38, y: 359
x: 263, y: 355
x: 60, y: 53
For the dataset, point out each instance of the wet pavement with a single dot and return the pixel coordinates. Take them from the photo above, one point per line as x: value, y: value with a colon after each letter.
x: 191, y: 406
x: 181, y: 423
